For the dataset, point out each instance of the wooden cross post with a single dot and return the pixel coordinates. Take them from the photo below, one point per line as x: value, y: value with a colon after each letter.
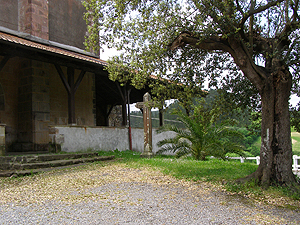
x: 146, y: 105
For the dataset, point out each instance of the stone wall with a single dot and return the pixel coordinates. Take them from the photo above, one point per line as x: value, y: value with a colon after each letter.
x: 9, y: 14
x: 66, y: 23
x: 34, y: 98
x: 56, y: 20
x: 9, y: 81
x: 77, y: 138
x: 138, y: 138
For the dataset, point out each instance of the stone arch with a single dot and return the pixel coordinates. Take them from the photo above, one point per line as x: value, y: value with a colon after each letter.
x: 2, y: 99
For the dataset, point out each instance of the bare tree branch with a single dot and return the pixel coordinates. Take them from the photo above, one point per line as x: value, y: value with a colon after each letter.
x: 255, y: 67
x: 291, y: 48
x: 289, y: 27
x: 210, y: 44
x: 286, y: 11
x: 295, y: 10
x: 239, y: 7
x: 258, y: 10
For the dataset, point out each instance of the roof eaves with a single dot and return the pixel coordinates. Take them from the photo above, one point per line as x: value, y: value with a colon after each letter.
x: 48, y: 48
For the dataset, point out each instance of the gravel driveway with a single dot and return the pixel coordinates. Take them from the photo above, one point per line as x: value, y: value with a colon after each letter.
x: 116, y: 194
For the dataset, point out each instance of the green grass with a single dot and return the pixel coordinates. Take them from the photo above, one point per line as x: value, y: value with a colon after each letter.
x: 296, y: 144
x: 212, y: 170
x: 126, y: 156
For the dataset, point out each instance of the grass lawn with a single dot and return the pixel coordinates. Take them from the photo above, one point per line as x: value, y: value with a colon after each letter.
x: 296, y: 143
x: 210, y: 170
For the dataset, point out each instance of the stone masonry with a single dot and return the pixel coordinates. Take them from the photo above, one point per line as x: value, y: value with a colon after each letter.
x: 34, y: 106
x: 2, y: 140
x: 33, y: 18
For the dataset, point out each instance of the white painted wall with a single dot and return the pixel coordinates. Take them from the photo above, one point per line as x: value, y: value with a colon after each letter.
x: 78, y: 138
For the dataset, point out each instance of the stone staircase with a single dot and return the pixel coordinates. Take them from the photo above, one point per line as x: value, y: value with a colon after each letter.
x: 20, y: 165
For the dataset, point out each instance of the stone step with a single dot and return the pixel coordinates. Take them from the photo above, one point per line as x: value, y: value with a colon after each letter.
x: 4, y: 160
x: 19, y: 169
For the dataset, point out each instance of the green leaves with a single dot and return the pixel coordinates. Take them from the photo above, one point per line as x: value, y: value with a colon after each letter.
x: 203, y: 136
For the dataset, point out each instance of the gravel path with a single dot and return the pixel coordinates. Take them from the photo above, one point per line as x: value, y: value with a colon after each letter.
x: 115, y: 194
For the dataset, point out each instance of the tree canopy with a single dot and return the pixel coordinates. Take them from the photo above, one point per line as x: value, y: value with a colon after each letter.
x: 251, y: 47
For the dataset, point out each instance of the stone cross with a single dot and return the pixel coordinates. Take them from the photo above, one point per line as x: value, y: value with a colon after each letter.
x: 146, y: 105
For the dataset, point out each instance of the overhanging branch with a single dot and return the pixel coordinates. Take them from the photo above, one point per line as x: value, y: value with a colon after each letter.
x: 258, y: 10
x: 214, y: 43
x: 210, y: 44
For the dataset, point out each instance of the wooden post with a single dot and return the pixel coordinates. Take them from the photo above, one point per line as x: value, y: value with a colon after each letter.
x: 161, y: 117
x: 71, y: 89
x: 129, y: 122
x: 123, y: 94
x: 71, y: 96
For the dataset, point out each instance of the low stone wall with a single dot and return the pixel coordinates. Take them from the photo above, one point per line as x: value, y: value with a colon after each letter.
x: 78, y: 138
x: 2, y: 140
x: 138, y: 139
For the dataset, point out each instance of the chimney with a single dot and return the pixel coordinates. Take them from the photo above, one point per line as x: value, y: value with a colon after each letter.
x: 33, y: 18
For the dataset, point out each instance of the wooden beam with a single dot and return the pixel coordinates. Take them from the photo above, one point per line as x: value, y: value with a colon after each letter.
x: 124, y: 101
x: 3, y: 62
x: 161, y: 117
x: 110, y: 109
x: 71, y: 96
x: 110, y: 87
x: 62, y: 77
x: 107, y: 115
x: 79, y: 79
x: 70, y: 88
x: 120, y: 91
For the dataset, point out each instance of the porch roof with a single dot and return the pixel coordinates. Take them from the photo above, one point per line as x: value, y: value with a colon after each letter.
x: 24, y: 45
x: 44, y: 50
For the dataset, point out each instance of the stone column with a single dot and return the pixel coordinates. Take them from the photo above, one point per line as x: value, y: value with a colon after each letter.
x: 2, y: 140
x: 33, y: 107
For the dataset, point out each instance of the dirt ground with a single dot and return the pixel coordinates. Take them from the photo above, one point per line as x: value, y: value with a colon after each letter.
x: 116, y: 194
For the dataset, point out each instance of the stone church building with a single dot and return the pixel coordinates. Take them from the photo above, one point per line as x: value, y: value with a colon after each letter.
x: 48, y: 82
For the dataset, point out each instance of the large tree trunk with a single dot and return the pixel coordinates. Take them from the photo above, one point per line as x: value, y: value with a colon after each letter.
x: 276, y: 147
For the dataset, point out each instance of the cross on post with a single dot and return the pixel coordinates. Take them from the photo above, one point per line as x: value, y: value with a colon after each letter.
x: 146, y: 106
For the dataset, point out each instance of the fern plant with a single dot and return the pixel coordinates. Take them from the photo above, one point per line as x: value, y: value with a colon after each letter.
x: 203, y: 136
